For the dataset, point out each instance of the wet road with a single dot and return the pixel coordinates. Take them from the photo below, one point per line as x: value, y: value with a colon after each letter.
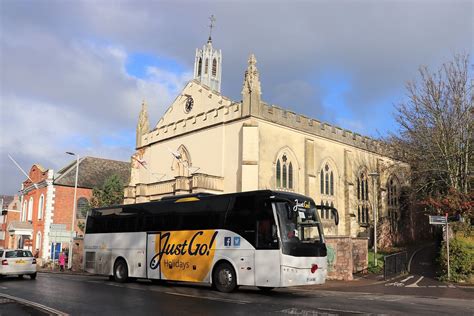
x: 86, y: 295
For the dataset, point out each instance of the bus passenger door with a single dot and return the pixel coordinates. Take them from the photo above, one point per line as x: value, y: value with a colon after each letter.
x: 267, y: 253
x: 152, y: 256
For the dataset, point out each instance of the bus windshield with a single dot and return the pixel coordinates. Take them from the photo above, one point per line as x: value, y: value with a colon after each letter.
x: 300, y: 229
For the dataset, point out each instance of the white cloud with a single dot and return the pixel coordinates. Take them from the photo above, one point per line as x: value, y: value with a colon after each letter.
x: 63, y: 71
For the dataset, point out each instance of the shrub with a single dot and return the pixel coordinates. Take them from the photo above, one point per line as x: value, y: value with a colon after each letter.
x: 461, y: 260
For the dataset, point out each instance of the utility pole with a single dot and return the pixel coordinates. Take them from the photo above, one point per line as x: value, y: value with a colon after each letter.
x: 374, y: 176
x: 73, y: 230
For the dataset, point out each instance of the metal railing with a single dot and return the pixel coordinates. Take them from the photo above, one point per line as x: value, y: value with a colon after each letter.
x: 395, y: 264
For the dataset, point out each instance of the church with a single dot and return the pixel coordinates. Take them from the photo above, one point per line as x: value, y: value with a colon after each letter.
x: 206, y: 142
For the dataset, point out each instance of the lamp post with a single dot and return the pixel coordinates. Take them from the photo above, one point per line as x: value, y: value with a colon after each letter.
x: 374, y: 176
x: 69, y: 262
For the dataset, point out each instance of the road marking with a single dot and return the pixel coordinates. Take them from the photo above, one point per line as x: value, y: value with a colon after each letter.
x: 37, y: 305
x: 397, y: 284
x: 119, y: 285
x: 319, y: 311
x: 3, y: 288
x: 209, y: 298
x: 410, y: 277
x: 416, y: 283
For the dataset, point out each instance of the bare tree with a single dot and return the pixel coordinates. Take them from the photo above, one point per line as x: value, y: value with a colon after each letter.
x: 436, y: 130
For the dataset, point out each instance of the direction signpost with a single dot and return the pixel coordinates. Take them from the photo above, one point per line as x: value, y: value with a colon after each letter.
x: 58, y: 235
x: 442, y: 220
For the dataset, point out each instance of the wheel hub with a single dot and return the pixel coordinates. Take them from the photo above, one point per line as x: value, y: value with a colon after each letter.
x: 225, y: 277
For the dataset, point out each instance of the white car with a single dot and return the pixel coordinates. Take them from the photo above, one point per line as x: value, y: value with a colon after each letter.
x: 17, y: 262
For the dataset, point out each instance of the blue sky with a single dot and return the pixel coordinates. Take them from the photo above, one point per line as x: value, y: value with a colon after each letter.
x: 138, y: 63
x: 73, y: 74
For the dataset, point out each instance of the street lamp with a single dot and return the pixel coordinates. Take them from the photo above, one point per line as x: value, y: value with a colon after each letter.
x: 69, y: 262
x: 374, y: 176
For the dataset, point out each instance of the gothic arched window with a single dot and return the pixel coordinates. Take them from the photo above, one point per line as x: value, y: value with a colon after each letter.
x: 278, y: 173
x: 181, y: 162
x: 284, y: 173
x: 393, y: 201
x: 363, y: 198
x: 326, y: 183
x: 214, y: 67
x: 206, y: 66
x: 321, y: 183
x: 290, y: 176
x: 200, y: 66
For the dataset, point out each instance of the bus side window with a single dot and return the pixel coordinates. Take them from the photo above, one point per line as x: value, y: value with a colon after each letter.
x: 241, y: 217
x: 266, y: 228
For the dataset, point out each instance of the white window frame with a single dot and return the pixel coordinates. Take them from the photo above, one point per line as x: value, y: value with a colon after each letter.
x: 38, y: 240
x: 30, y: 209
x: 40, y: 207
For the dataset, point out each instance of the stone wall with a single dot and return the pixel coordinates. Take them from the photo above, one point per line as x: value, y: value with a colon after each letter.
x: 77, y: 254
x: 360, y: 257
x: 346, y: 256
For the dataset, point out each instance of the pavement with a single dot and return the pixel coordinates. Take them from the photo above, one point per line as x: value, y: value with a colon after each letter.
x: 15, y: 306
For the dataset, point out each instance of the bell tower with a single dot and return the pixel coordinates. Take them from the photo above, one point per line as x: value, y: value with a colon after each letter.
x: 207, y: 65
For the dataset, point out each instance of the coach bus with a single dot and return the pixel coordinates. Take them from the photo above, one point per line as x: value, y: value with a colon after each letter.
x: 261, y: 238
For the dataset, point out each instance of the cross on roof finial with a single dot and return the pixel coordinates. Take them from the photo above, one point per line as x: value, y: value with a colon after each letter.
x: 212, y: 19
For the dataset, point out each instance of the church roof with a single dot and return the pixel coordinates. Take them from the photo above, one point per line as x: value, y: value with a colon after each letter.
x: 93, y: 172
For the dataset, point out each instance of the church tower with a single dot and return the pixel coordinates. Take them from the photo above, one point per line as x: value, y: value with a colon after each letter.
x: 207, y: 65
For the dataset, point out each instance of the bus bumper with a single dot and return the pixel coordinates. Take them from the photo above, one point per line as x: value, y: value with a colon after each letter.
x: 292, y: 276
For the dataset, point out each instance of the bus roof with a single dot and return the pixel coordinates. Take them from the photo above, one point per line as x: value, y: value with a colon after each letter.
x: 199, y: 196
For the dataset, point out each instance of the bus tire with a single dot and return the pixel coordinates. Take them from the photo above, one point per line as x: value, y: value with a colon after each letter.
x: 224, y: 278
x: 120, y: 271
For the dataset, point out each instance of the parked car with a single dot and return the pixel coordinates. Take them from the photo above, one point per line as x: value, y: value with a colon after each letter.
x: 17, y: 262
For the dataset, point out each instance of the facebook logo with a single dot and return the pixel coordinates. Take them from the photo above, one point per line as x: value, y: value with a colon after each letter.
x: 227, y: 241
x: 237, y: 241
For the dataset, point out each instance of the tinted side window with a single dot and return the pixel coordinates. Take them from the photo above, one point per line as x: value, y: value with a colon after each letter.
x: 241, y: 217
x: 1, y: 253
x: 208, y: 213
x: 204, y: 214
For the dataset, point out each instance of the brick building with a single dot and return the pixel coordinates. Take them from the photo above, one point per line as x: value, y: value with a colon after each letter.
x: 9, y: 206
x: 47, y: 203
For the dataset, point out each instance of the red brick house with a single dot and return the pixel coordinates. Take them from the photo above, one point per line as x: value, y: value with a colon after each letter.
x: 47, y: 203
x: 10, y: 206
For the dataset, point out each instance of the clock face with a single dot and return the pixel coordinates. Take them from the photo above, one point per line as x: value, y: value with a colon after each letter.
x: 189, y: 104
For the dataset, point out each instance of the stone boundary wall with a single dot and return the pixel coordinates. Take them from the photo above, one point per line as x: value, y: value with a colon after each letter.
x: 346, y: 255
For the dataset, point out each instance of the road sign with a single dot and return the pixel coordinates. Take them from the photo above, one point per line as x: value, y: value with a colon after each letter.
x: 437, y: 220
x: 57, y: 227
x: 60, y: 236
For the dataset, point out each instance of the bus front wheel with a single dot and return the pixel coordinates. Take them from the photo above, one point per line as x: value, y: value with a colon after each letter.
x: 120, y: 271
x: 224, y: 279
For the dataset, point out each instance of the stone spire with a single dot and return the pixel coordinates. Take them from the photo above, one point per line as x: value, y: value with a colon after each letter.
x: 251, y: 91
x: 143, y: 125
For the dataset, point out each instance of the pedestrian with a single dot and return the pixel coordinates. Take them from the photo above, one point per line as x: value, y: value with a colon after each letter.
x: 37, y: 253
x: 62, y: 261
